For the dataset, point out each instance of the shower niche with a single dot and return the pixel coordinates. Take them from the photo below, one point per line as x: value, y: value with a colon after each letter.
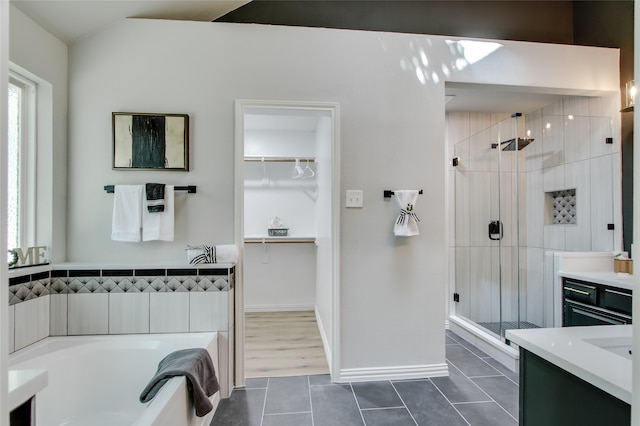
x: 526, y: 185
x: 561, y: 207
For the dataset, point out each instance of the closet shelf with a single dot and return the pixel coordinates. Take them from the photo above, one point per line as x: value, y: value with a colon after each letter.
x: 287, y: 239
x: 274, y: 159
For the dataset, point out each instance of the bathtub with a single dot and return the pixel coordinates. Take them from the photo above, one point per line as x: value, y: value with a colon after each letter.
x: 97, y: 380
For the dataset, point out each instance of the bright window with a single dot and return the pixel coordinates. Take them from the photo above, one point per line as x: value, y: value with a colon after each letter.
x: 21, y: 165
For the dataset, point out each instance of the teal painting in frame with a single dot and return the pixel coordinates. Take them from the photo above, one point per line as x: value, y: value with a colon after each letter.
x: 143, y: 141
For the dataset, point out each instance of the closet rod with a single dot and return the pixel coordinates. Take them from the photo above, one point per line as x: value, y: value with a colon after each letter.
x: 279, y: 159
x: 191, y: 189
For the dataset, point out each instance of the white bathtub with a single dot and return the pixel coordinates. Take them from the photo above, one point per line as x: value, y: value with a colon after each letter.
x: 97, y: 380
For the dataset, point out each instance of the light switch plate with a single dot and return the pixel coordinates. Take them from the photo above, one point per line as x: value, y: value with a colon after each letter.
x: 354, y: 198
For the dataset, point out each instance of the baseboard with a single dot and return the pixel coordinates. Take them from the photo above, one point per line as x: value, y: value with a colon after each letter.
x: 392, y: 373
x: 325, y: 341
x: 279, y: 308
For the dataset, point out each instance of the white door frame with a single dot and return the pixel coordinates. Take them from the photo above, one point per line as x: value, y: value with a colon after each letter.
x: 333, y: 109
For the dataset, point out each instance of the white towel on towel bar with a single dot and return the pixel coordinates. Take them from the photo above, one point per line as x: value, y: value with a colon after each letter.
x: 127, y: 213
x: 407, y: 222
x: 159, y: 225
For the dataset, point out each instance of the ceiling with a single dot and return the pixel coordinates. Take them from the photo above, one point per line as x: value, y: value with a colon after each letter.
x: 73, y: 20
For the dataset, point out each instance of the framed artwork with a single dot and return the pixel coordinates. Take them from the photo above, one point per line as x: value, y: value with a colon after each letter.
x: 143, y: 141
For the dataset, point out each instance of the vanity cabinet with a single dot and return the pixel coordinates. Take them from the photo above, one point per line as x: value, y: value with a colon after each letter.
x: 589, y: 303
x: 24, y: 386
x: 551, y: 396
x: 24, y: 414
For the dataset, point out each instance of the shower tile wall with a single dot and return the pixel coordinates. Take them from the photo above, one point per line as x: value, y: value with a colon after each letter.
x: 569, y: 152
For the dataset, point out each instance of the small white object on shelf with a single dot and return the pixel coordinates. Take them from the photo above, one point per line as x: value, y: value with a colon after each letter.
x: 275, y: 228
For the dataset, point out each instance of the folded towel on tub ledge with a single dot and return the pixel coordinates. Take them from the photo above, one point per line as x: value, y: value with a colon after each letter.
x: 197, y: 367
x: 226, y: 253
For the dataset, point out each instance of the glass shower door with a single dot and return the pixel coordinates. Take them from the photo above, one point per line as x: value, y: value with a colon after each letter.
x: 488, y: 237
x: 511, y: 141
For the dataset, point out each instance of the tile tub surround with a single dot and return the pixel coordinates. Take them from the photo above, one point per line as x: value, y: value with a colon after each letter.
x: 81, y: 300
x: 479, y: 391
x: 61, y: 300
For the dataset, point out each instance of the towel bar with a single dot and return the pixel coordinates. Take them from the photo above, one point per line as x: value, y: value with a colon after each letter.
x: 388, y: 193
x: 191, y: 189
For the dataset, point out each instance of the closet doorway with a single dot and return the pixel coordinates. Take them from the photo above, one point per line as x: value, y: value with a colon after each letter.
x: 287, y: 211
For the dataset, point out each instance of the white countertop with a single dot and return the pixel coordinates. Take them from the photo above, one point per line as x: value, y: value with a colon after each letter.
x: 569, y: 349
x: 614, y: 279
x: 23, y: 384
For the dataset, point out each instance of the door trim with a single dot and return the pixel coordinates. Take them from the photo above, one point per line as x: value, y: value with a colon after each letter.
x: 333, y: 109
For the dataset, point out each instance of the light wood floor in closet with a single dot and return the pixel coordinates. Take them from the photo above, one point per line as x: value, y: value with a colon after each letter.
x: 279, y: 344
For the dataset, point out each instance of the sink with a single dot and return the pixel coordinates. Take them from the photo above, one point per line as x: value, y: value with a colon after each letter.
x: 620, y: 346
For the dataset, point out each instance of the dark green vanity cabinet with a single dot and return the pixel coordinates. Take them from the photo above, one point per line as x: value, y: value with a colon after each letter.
x: 587, y: 303
x: 551, y: 396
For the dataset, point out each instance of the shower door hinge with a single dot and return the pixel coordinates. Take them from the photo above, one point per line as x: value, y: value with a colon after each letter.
x: 608, y: 140
x: 456, y: 297
x: 611, y: 226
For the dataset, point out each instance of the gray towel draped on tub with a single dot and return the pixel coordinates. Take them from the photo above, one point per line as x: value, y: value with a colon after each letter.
x: 196, y: 365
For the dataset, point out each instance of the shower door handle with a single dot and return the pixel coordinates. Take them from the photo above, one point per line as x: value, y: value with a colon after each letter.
x: 495, y: 230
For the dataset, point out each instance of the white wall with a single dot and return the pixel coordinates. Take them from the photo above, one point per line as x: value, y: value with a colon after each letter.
x: 279, y: 277
x: 43, y: 58
x: 392, y: 133
x: 269, y: 189
x: 35, y: 53
x: 280, y: 142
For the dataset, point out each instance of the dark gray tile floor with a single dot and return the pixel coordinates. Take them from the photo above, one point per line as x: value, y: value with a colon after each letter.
x: 479, y: 391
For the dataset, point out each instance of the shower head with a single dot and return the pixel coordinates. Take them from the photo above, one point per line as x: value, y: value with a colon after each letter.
x: 511, y: 144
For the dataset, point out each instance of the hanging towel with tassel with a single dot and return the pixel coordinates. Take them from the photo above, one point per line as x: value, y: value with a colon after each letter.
x: 407, y: 222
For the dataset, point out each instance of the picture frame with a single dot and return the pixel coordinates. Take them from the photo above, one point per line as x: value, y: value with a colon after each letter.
x: 150, y: 141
